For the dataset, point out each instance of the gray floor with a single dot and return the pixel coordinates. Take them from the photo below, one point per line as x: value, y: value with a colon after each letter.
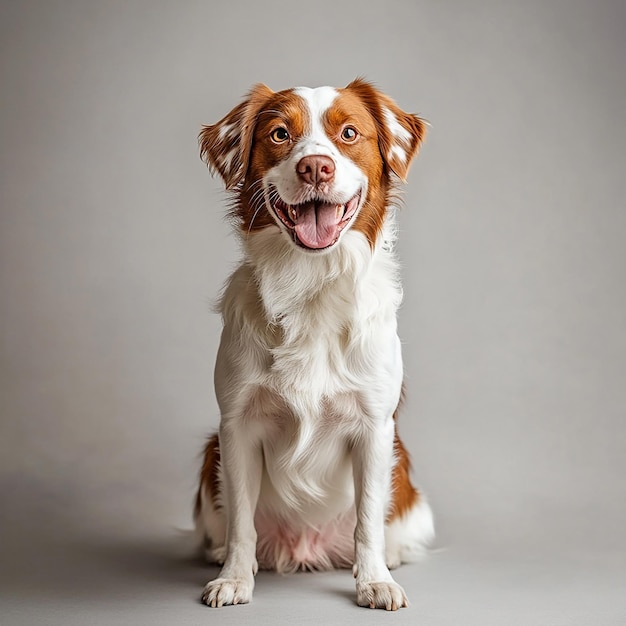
x: 117, y: 575
x: 125, y: 581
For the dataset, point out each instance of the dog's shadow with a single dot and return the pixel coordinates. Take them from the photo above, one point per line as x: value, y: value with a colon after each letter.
x: 92, y: 566
x: 144, y: 568
x: 167, y: 560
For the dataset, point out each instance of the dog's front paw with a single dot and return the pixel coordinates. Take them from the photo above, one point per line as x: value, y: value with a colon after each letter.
x: 225, y: 591
x: 381, y: 595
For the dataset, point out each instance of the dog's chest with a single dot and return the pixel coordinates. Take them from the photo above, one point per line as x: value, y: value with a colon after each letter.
x: 306, y: 453
x: 311, y: 332
x: 317, y: 351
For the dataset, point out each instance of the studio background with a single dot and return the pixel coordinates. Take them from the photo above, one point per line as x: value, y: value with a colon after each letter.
x: 113, y: 247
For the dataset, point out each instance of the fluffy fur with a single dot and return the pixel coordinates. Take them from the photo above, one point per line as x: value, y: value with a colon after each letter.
x: 307, y: 470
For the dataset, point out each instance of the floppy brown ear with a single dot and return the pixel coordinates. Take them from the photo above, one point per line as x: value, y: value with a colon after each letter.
x: 399, y: 134
x: 225, y: 146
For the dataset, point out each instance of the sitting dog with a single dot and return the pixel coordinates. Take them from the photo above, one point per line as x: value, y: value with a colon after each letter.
x: 307, y: 470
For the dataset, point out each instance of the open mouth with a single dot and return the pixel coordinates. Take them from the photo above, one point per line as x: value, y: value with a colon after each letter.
x: 316, y: 224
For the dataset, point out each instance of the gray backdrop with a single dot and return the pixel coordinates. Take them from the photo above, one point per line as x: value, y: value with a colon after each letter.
x: 113, y: 247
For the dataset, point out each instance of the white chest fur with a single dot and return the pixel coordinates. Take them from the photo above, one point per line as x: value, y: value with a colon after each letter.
x: 310, y: 328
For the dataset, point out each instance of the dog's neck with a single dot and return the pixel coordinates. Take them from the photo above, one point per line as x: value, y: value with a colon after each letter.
x: 289, y: 278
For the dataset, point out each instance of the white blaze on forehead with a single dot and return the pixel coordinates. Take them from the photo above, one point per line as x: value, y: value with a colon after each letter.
x: 317, y: 101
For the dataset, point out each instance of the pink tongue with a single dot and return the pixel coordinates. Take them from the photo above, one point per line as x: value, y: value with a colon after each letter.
x: 318, y: 227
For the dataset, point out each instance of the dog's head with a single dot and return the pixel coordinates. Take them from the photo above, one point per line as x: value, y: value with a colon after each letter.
x: 313, y: 162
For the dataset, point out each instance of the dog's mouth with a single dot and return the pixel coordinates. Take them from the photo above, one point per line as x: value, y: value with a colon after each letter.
x: 315, y: 224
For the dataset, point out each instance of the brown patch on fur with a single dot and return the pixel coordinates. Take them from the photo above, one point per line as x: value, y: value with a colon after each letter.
x: 209, y: 474
x: 404, y: 494
x: 240, y: 149
x: 349, y: 109
x: 415, y: 127
x: 284, y: 109
x: 375, y: 151
x: 226, y: 146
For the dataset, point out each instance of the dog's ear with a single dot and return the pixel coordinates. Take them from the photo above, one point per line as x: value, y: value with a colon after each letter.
x: 399, y: 134
x: 225, y: 146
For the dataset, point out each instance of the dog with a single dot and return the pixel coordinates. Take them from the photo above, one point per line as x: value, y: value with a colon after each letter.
x: 307, y: 471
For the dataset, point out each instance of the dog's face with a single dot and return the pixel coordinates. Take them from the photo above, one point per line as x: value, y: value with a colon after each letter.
x: 313, y: 162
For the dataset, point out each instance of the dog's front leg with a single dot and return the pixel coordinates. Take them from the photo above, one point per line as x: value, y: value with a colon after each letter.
x: 372, y: 459
x: 242, y: 467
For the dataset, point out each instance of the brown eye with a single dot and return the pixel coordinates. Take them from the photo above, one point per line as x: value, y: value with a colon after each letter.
x: 349, y: 134
x: 279, y: 135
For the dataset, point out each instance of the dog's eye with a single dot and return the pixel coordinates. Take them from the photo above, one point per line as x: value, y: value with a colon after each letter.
x: 349, y: 134
x: 279, y: 135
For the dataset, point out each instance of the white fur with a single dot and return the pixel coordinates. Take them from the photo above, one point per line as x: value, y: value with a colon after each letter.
x: 397, y: 152
x: 407, y: 538
x: 399, y: 133
x: 308, y: 376
x: 397, y: 130
x: 228, y: 130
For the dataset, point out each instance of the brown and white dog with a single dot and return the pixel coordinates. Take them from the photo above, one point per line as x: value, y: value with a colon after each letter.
x: 308, y: 471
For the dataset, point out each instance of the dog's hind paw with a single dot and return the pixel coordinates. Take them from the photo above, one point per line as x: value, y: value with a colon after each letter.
x: 215, y: 555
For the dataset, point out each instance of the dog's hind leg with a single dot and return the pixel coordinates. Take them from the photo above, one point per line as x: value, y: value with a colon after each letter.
x: 209, y: 516
x: 408, y: 536
x: 409, y: 527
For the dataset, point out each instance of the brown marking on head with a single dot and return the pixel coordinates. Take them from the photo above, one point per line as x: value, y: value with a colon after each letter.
x: 377, y: 149
x: 226, y: 146
x: 239, y: 147
x: 284, y: 110
x: 399, y: 134
x: 350, y: 111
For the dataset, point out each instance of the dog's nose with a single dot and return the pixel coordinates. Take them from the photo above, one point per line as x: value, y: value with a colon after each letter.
x: 316, y: 168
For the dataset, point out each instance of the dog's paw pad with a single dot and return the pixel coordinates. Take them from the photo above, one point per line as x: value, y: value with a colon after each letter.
x: 383, y: 595
x: 227, y: 591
